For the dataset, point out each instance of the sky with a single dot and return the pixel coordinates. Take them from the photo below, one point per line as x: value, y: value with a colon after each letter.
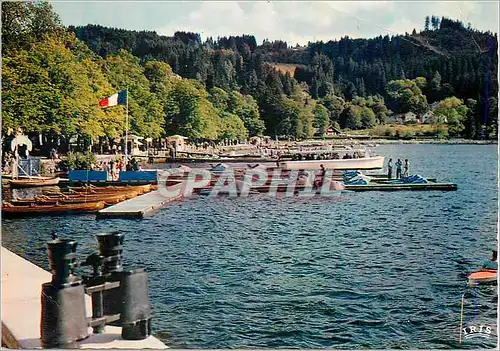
x: 291, y: 21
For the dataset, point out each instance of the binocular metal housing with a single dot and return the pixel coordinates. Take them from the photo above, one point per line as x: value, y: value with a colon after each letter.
x: 119, y: 297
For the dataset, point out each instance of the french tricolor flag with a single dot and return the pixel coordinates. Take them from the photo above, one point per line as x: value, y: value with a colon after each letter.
x: 119, y: 98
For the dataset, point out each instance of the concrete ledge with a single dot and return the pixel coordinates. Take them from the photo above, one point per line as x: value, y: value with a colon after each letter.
x: 141, y: 206
x: 21, y: 310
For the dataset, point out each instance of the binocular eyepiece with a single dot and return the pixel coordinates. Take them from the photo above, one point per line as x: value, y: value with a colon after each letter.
x: 110, y: 247
x: 62, y: 259
x: 119, y: 297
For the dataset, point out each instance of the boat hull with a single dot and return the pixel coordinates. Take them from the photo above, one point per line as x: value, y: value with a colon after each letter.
x: 141, y: 189
x: 30, y: 183
x: 90, y: 207
x: 376, y: 162
x: 108, y: 198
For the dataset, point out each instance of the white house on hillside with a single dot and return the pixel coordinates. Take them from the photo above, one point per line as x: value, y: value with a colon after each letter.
x: 427, y: 117
x: 400, y: 118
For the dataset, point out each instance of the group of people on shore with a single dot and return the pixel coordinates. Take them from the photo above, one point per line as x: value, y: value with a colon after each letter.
x: 400, y: 171
x: 114, y: 167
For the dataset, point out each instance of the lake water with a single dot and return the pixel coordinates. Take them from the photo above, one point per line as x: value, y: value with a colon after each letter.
x: 361, y: 270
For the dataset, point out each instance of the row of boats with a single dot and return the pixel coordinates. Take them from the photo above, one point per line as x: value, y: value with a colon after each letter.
x: 94, y: 198
x: 73, y: 199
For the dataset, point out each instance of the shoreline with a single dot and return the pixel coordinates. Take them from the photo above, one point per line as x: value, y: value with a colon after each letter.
x: 359, y: 141
x: 342, y: 142
x: 427, y: 141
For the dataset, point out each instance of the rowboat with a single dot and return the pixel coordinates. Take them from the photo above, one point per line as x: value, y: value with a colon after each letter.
x: 108, y: 198
x: 52, y: 202
x: 41, y: 200
x: 33, y: 182
x: 34, y: 209
x: 128, y: 191
x: 129, y: 194
x: 141, y: 189
x: 483, y: 277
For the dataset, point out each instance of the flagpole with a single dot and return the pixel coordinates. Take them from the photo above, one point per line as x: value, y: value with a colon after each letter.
x: 126, y: 126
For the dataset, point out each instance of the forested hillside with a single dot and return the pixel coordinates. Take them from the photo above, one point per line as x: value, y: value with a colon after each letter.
x: 233, y: 87
x: 453, y: 59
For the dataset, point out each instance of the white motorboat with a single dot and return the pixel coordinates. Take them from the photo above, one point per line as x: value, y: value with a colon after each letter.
x: 362, y: 160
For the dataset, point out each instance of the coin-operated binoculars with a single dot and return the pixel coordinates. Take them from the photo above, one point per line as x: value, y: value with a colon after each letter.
x: 119, y: 297
x: 63, y: 319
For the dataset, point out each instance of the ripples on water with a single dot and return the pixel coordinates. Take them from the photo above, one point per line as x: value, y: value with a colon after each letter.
x: 364, y: 270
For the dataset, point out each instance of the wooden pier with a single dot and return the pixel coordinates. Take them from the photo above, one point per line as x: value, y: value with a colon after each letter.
x: 21, y: 311
x: 141, y: 206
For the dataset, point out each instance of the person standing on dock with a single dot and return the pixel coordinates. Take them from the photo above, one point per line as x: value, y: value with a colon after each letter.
x: 406, y: 168
x: 319, y: 182
x: 150, y: 156
x: 389, y: 169
x: 53, y: 154
x: 119, y: 166
x: 105, y: 168
x: 13, y: 167
x: 112, y: 169
x: 323, y: 171
x: 399, y: 165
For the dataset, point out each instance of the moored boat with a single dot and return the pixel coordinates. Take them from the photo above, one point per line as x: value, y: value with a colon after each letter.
x: 33, y: 182
x: 340, y: 159
x: 108, y: 198
x: 128, y: 194
x: 375, y: 162
x: 35, y: 209
x: 141, y: 189
x: 54, y: 201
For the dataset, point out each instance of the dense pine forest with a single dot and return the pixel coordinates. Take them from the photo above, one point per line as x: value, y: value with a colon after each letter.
x: 233, y: 87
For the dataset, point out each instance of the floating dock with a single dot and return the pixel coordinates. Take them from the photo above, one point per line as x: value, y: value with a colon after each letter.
x: 383, y: 178
x: 141, y: 206
x: 21, y: 311
x: 409, y: 186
